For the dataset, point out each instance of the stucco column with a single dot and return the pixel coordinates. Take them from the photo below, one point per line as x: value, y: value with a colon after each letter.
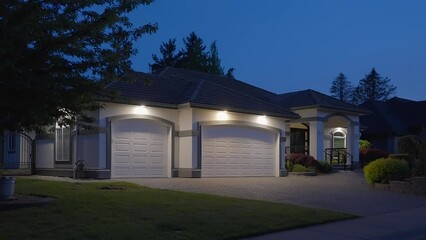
x: 316, y: 140
x: 283, y: 139
x: 287, y: 135
x: 353, y: 142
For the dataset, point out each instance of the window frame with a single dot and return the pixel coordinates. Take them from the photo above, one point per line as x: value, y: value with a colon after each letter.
x: 63, y: 145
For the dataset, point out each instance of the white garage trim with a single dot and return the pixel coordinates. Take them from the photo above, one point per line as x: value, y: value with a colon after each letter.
x: 232, y: 150
x: 153, y: 142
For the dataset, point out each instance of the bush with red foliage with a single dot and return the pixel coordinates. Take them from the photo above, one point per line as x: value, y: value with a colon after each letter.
x: 304, y: 160
x: 368, y: 155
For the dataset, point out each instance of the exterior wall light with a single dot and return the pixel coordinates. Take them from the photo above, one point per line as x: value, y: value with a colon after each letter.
x: 140, y: 110
x: 222, y: 115
x: 262, y: 119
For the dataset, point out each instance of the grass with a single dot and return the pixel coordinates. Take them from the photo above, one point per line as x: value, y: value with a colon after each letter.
x: 115, y: 210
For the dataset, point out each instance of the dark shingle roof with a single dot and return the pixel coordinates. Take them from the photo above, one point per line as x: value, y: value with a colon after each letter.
x: 396, y: 116
x: 175, y: 86
x: 311, y: 98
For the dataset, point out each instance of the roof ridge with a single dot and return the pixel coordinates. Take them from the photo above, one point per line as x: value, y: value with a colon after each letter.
x: 215, y: 75
x: 313, y: 95
x: 197, y: 89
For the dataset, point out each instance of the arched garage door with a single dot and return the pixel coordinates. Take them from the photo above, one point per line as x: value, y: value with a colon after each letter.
x: 139, y: 149
x: 230, y: 151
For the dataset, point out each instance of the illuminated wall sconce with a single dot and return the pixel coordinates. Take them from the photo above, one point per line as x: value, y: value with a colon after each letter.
x: 262, y: 119
x: 140, y: 110
x: 222, y: 115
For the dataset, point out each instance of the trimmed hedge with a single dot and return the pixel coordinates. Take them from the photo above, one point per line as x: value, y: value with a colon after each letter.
x: 384, y: 170
x: 368, y: 155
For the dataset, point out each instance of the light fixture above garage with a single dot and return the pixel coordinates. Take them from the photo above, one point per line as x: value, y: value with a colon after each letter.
x: 223, y: 115
x: 262, y: 119
x: 140, y: 110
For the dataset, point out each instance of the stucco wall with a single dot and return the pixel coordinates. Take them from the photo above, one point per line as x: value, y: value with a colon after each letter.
x: 45, y: 149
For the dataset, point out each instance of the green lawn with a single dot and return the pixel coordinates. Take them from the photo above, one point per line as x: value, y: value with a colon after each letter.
x: 128, y: 211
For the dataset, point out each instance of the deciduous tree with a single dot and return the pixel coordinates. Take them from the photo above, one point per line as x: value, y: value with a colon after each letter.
x: 58, y: 56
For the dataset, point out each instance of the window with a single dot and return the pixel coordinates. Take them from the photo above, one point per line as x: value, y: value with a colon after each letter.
x: 339, y: 139
x: 11, y: 142
x: 62, y: 144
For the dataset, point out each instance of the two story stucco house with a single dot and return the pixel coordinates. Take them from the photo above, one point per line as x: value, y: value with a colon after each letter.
x: 181, y: 123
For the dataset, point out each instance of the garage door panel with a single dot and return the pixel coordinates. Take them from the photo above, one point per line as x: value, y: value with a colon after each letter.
x: 238, y: 151
x: 120, y: 159
x: 139, y: 149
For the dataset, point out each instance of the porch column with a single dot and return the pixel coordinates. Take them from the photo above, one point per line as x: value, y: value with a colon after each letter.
x: 353, y: 142
x: 282, y: 145
x: 287, y: 135
x: 316, y: 140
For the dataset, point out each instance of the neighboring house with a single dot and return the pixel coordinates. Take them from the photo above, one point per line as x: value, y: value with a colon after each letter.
x: 181, y: 123
x: 391, y: 120
x: 16, y: 150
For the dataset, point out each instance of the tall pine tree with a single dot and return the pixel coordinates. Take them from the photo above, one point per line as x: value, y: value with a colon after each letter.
x: 341, y: 88
x: 373, y: 87
x: 214, y: 62
x: 168, y: 56
x: 194, y: 56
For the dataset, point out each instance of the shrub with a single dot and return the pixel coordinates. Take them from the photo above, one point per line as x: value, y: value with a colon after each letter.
x: 409, y: 145
x: 368, y: 155
x: 303, y: 159
x: 418, y: 168
x: 364, y: 144
x: 384, y: 170
x: 324, y: 167
x: 300, y: 168
x: 404, y: 157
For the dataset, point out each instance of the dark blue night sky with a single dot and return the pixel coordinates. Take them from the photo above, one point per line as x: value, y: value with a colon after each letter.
x: 285, y: 46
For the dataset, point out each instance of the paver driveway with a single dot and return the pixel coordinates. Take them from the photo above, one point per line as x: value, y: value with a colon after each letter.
x: 342, y: 191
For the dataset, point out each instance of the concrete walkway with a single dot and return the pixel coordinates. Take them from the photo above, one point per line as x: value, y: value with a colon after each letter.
x: 384, y: 215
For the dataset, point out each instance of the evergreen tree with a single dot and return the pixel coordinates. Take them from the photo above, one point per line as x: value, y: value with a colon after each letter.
x: 168, y: 56
x: 194, y: 56
x: 230, y: 73
x: 214, y: 61
x: 341, y: 88
x: 58, y: 56
x: 373, y: 87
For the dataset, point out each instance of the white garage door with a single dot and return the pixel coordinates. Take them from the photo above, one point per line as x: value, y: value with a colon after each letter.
x: 238, y: 151
x: 139, y: 149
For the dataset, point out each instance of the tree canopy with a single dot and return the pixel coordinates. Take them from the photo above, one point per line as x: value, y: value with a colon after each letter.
x: 341, y: 88
x: 57, y: 57
x: 192, y: 56
x: 372, y: 87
